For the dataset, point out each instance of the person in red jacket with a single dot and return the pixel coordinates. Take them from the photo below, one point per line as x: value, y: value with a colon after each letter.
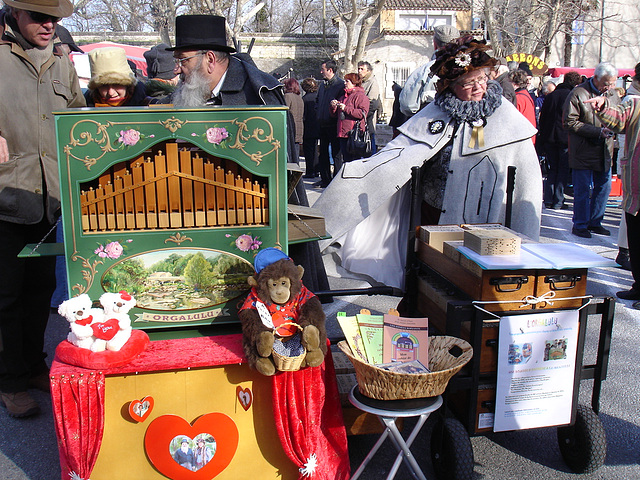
x: 524, y: 101
x: 351, y: 107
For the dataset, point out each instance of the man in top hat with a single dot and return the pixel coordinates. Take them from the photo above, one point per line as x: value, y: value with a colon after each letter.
x: 420, y: 87
x: 211, y: 76
x: 36, y: 79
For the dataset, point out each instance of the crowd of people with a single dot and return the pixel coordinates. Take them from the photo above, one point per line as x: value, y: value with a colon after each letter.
x: 463, y: 119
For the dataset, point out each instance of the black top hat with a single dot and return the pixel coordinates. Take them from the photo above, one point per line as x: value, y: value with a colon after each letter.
x: 201, y: 32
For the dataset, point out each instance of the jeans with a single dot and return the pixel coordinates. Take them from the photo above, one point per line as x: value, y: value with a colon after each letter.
x: 374, y: 148
x: 590, y: 194
x: 26, y: 286
x: 557, y: 176
x: 61, y: 293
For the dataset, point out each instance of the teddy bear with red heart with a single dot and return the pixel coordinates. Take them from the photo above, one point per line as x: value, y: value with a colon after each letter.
x: 115, y: 328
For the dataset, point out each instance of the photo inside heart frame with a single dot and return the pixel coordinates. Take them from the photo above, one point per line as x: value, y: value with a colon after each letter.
x: 193, y: 454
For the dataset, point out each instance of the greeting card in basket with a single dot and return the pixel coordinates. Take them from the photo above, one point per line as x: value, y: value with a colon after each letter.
x: 405, y: 339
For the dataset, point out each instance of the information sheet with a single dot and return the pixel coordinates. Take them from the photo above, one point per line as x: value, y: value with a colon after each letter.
x: 536, y: 366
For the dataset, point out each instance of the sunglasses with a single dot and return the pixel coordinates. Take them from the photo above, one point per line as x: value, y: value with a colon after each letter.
x: 43, y: 17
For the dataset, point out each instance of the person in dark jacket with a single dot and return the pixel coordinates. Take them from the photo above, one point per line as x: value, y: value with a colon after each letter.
x: 112, y: 83
x: 211, y: 76
x: 311, y: 127
x: 553, y: 139
x: 160, y: 65
x: 590, y: 151
x: 330, y: 89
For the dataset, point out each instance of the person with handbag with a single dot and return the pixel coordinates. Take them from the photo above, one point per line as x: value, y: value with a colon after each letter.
x: 351, y: 109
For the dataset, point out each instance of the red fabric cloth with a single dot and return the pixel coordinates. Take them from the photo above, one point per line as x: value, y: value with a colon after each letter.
x: 78, y: 412
x: 308, y: 417
x: 68, y: 353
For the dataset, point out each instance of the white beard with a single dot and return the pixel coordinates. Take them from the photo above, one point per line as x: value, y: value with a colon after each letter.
x: 194, y: 91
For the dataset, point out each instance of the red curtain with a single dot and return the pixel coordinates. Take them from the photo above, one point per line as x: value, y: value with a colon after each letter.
x: 78, y: 410
x: 308, y: 417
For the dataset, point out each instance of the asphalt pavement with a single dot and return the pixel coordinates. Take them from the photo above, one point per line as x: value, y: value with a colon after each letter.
x: 28, y: 449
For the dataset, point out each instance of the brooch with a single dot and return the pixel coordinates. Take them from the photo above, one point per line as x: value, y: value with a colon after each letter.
x: 436, y: 126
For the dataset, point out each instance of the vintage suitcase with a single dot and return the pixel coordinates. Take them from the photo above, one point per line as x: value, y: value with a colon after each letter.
x: 521, y: 289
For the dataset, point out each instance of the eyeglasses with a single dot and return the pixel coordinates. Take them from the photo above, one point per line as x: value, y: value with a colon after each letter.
x: 42, y: 17
x: 180, y: 61
x: 478, y: 81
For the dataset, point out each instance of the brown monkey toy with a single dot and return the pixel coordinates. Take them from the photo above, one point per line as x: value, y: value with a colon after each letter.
x: 278, y: 300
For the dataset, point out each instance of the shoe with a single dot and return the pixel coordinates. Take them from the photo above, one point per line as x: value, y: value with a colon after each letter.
x: 581, y: 232
x: 311, y: 175
x: 623, y: 259
x: 320, y: 184
x: 40, y: 382
x: 632, y: 294
x: 19, y: 404
x: 599, y: 230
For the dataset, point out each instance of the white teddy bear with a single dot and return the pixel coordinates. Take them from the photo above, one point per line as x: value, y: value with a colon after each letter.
x: 115, y: 329
x: 81, y: 316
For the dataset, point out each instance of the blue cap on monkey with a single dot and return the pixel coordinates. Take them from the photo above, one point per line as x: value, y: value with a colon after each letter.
x: 266, y: 257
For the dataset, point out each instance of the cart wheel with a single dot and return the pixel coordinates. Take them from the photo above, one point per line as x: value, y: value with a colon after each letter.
x: 451, y: 451
x: 584, y: 444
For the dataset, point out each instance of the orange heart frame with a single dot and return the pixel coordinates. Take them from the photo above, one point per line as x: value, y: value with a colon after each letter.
x: 139, y: 410
x: 245, y: 397
x: 164, y: 429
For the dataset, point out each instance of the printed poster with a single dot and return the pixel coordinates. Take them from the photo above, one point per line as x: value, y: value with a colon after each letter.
x: 536, y: 370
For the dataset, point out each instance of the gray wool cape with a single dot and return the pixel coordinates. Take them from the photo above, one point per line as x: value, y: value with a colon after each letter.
x: 366, y: 206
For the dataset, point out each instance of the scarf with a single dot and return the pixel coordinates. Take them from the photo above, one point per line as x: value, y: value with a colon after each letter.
x: 471, y: 111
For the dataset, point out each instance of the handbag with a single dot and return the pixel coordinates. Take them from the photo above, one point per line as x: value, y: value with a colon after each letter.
x: 359, y: 141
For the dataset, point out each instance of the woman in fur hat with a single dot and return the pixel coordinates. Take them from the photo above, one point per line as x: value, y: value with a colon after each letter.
x: 463, y: 141
x: 113, y: 83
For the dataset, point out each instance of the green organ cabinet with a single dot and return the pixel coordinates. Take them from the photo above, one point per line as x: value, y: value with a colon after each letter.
x: 171, y: 205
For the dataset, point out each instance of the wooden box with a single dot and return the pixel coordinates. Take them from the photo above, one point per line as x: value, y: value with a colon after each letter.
x: 171, y: 205
x: 515, y: 289
x: 484, y: 410
x: 305, y: 223
x: 492, y: 242
x: 434, y: 235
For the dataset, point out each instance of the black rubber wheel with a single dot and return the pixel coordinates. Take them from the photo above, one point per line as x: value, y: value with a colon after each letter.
x: 451, y: 451
x: 584, y: 444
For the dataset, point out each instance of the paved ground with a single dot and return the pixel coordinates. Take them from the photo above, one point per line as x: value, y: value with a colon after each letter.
x: 28, y: 448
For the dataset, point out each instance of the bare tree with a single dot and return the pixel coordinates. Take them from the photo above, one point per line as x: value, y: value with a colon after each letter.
x: 530, y: 25
x: 357, y: 20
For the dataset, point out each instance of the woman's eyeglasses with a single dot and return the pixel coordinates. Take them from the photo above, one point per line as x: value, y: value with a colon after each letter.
x: 42, y: 17
x: 478, y: 81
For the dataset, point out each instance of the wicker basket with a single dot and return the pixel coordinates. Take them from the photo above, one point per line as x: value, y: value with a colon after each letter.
x: 381, y: 384
x: 288, y: 364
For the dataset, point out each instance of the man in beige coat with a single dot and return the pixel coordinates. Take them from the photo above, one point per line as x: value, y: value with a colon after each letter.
x: 36, y: 80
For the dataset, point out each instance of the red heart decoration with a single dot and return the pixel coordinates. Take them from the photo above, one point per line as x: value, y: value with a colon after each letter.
x: 164, y: 429
x: 139, y: 410
x: 106, y: 330
x: 245, y: 397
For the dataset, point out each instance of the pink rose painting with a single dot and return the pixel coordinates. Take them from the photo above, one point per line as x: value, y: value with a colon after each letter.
x: 245, y: 242
x: 216, y: 135
x: 129, y: 137
x: 111, y: 250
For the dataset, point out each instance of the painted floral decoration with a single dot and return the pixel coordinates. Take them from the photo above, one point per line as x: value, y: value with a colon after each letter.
x: 216, y: 135
x: 111, y: 250
x: 129, y: 137
x: 245, y: 242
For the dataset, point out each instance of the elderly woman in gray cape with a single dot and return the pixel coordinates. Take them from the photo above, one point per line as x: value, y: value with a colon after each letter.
x: 463, y: 141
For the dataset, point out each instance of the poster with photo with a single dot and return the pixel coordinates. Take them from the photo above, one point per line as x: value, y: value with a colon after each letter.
x: 536, y: 366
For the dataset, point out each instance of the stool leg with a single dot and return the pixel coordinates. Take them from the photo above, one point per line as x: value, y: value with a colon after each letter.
x: 370, y: 455
x: 405, y: 451
x: 410, y: 439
